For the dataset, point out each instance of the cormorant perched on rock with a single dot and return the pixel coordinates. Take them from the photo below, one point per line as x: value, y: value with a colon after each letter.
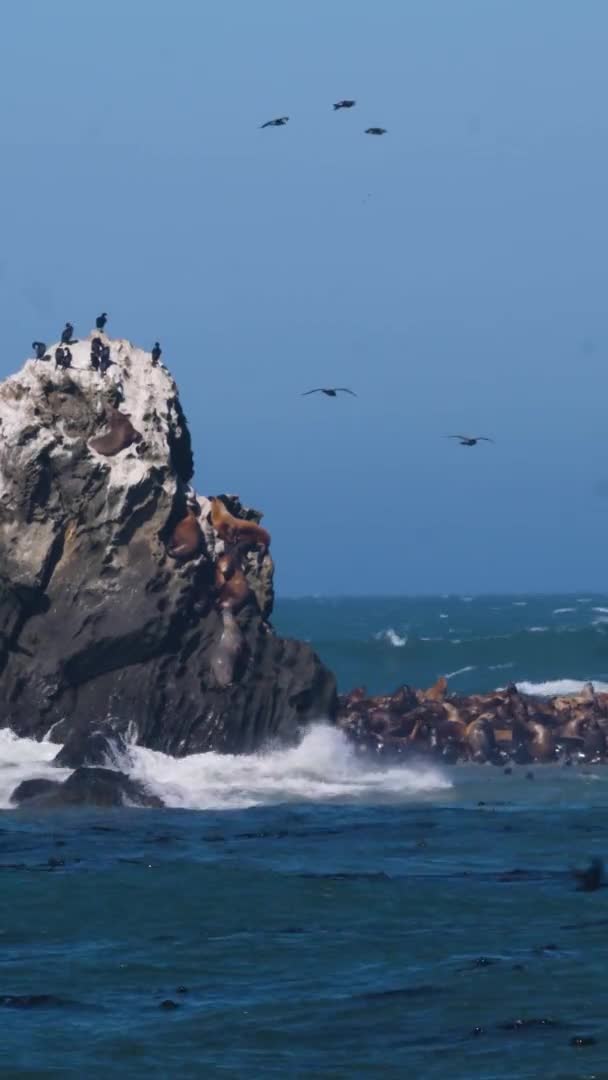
x: 101, y: 320
x: 345, y: 104
x: 470, y: 440
x: 39, y: 349
x: 275, y: 123
x: 104, y: 361
x: 66, y: 336
x: 63, y: 358
x: 96, y: 347
x: 156, y: 352
x: 375, y: 131
x: 331, y: 391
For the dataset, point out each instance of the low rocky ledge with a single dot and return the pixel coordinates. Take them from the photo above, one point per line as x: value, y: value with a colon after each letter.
x: 126, y: 598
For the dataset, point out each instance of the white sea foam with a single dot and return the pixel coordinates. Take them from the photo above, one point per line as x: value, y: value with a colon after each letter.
x: 500, y: 667
x: 392, y: 637
x: 537, y: 629
x: 460, y: 671
x: 25, y: 759
x: 324, y: 767
x: 602, y: 610
x: 520, y: 603
x: 559, y: 686
x: 563, y: 610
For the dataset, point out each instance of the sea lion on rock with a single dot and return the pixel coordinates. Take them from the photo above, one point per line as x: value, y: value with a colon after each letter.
x: 231, y: 584
x: 227, y: 651
x: 121, y: 434
x: 235, y: 530
x: 436, y: 692
x: 186, y: 538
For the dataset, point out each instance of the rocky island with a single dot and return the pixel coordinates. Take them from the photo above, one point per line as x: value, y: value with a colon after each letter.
x: 131, y: 607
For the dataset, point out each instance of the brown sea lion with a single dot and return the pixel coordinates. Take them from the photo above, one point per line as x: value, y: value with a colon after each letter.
x: 231, y: 584
x: 436, y: 692
x: 186, y: 538
x: 235, y: 530
x: 121, y: 434
x: 479, y: 738
x: 226, y: 653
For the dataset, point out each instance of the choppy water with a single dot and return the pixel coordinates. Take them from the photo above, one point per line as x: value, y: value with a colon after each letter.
x: 479, y: 642
x: 308, y: 912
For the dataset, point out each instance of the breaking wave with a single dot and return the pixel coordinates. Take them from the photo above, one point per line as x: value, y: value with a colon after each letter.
x: 392, y: 637
x: 324, y: 767
x: 559, y: 686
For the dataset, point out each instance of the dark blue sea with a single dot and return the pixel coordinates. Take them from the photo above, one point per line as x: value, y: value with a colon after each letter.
x: 311, y: 913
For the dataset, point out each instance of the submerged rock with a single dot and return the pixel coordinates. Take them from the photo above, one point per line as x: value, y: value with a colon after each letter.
x: 106, y: 615
x: 85, y: 787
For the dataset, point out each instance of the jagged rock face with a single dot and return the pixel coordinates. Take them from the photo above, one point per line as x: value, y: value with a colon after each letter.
x: 97, y: 622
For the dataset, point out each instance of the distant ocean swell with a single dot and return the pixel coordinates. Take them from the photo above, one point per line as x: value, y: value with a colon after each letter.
x: 472, y: 663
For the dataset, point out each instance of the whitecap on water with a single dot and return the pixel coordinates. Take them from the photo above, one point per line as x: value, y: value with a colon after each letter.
x: 559, y: 686
x: 460, y: 671
x: 392, y: 637
x: 563, y: 610
x: 323, y: 767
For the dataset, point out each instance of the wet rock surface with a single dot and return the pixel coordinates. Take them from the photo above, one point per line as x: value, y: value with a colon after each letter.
x: 85, y: 787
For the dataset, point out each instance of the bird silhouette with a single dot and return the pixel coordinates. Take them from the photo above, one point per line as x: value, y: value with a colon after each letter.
x: 345, y: 104
x: 39, y: 349
x: 470, y: 440
x: 275, y: 123
x: 331, y: 391
x: 375, y: 131
x: 592, y: 878
x: 66, y: 334
x: 101, y: 320
x: 156, y: 352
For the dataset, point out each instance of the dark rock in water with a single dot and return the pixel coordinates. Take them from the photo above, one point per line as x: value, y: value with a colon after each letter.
x: 168, y: 1004
x: 86, y: 747
x: 97, y: 619
x: 29, y: 1001
x: 32, y: 789
x: 87, y: 787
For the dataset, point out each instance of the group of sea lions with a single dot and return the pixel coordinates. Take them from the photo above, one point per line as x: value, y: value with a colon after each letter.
x: 499, y: 727
x: 231, y: 588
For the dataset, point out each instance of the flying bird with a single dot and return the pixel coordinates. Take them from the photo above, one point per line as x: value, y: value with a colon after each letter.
x: 375, y: 131
x: 346, y: 104
x: 331, y: 391
x: 275, y: 123
x: 101, y: 320
x: 470, y: 440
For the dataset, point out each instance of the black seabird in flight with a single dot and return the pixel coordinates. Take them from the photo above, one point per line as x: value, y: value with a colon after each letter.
x: 331, y: 391
x: 375, y: 131
x: 101, y: 320
x: 275, y: 123
x: 470, y: 440
x: 345, y: 104
x: 156, y: 352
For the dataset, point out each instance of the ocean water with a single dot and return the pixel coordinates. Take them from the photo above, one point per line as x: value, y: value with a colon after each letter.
x: 309, y: 912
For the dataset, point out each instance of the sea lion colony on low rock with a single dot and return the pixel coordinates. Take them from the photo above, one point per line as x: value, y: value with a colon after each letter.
x: 502, y: 726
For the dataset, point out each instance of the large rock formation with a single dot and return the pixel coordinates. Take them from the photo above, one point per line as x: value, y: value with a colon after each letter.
x: 121, y: 605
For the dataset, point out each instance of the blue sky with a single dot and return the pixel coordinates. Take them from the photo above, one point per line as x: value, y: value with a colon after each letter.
x: 454, y: 272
